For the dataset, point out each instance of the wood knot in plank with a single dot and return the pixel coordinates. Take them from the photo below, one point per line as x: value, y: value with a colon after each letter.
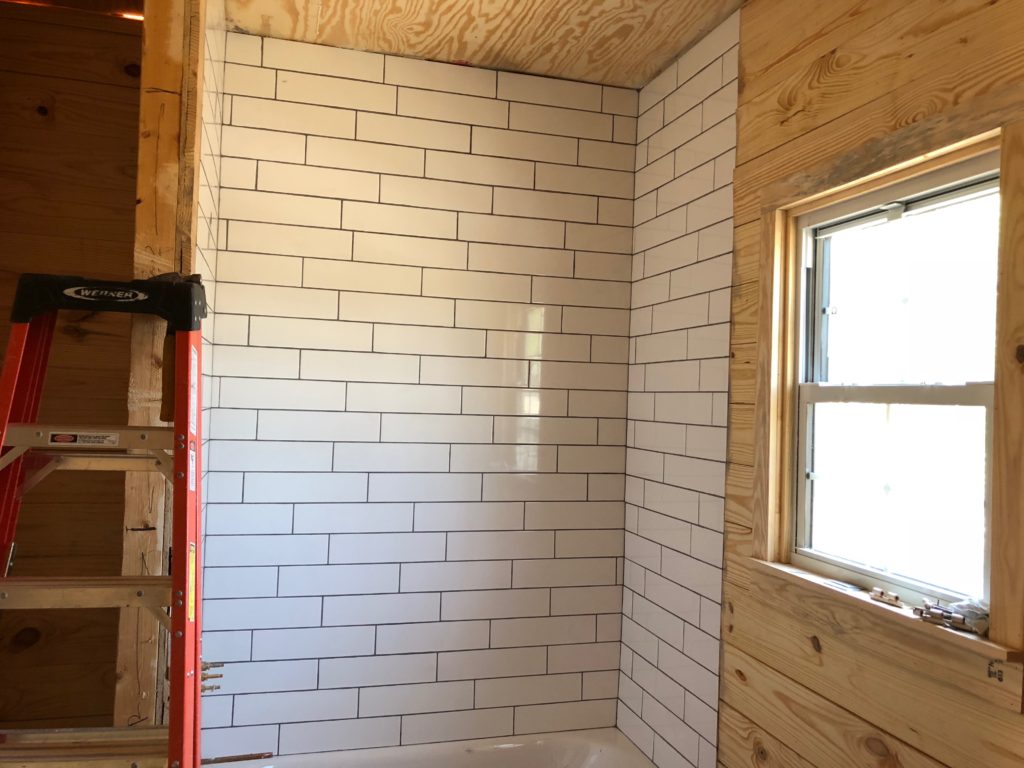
x: 876, y: 747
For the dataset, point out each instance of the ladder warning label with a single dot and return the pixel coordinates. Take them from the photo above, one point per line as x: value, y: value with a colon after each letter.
x: 85, y: 438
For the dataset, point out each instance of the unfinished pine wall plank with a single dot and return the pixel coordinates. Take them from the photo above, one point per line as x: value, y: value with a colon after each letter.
x: 622, y: 43
x: 1007, y: 588
x: 831, y: 93
x: 68, y: 116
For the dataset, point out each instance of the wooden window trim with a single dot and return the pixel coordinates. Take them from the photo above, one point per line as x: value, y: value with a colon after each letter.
x: 775, y: 401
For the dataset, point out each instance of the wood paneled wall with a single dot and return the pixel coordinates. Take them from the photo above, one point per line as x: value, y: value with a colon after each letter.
x: 69, y: 112
x: 833, y: 91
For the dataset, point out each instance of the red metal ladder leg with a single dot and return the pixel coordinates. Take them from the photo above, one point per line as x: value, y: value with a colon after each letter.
x: 21, y: 389
x: 186, y: 672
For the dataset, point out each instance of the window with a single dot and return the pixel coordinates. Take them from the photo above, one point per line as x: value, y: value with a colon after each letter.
x: 894, y: 386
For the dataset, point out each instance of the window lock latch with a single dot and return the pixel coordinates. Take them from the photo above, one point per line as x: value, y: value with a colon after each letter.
x: 889, y: 598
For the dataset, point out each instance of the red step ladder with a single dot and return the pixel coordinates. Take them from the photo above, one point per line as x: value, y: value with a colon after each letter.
x: 30, y: 451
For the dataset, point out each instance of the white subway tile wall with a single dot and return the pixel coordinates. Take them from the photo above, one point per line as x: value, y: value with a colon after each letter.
x: 678, y: 385
x: 416, y: 498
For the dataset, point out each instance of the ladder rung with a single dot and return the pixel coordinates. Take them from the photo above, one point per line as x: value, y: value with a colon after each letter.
x: 95, y: 747
x: 108, y: 461
x: 87, y: 592
x: 89, y: 438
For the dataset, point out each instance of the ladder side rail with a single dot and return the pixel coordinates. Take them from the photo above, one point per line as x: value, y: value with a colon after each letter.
x: 185, y: 579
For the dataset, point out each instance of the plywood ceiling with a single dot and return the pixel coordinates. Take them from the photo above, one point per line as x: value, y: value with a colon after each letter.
x: 614, y: 42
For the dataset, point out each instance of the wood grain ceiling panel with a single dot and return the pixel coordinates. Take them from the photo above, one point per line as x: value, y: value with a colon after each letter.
x: 613, y: 42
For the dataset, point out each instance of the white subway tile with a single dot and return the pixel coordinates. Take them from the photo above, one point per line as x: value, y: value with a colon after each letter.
x: 607, y: 322
x: 293, y: 706
x: 307, y: 580
x: 510, y: 230
x: 469, y: 110
x: 380, y: 609
x: 259, y: 299
x: 265, y: 550
x: 585, y: 293
x: 243, y: 49
x: 249, y: 81
x: 336, y: 92
x: 386, y: 547
x: 231, y: 425
x: 412, y: 251
x: 593, y: 181
x: 571, y: 572
x: 533, y: 487
x: 504, y: 662
x: 527, y: 146
x: 427, y: 577
x: 364, y: 156
x: 304, y: 487
x: 223, y: 742
x: 488, y: 286
x: 292, y: 117
x: 359, y: 366
x: 411, y: 310
x: 262, y: 613
x: 560, y: 122
x: 494, y: 604
x: 545, y: 205
x: 322, y: 59
x: 508, y: 317
x: 577, y: 375
x: 261, y: 145
x: 438, y: 636
x: 410, y: 699
x: 309, y: 334
x: 500, y: 545
x: 519, y: 260
x: 238, y: 172
x: 283, y: 393
x: 248, y: 518
x: 387, y: 457
x: 239, y: 582
x: 454, y: 726
x: 585, y: 657
x: 287, y: 240
x: 259, y: 268
x: 353, y: 518
x: 503, y: 458
x: 582, y: 600
x: 424, y: 487
x: 330, y: 735
x: 468, y: 371
x: 435, y: 428
x: 412, y: 131
x: 377, y: 670
x: 399, y: 398
x: 428, y: 193
x: 433, y: 75
x: 469, y: 516
x: 290, y: 425
x: 514, y: 401
x: 536, y: 346
x: 321, y: 182
x: 574, y: 514
x: 555, y: 630
x: 399, y: 220
x: 479, y: 170
x: 276, y: 208
x: 543, y: 718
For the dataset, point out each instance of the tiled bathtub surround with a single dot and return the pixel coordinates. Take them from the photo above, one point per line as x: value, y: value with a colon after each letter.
x: 678, y: 385
x: 415, y: 524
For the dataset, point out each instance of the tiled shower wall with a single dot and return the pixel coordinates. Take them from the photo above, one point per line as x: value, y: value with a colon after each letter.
x: 415, y: 521
x: 678, y: 390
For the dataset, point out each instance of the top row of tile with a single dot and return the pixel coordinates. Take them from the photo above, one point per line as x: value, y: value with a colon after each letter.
x: 430, y: 75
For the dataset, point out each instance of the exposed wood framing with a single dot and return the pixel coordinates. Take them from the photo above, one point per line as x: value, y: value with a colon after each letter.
x: 164, y: 242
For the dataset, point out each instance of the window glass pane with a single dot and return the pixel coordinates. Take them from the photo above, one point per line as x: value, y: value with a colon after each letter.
x: 901, y: 489
x: 912, y: 301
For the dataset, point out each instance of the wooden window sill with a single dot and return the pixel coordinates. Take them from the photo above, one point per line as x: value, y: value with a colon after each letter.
x: 902, y: 619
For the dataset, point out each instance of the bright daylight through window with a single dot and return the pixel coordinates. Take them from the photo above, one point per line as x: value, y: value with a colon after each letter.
x: 895, y: 390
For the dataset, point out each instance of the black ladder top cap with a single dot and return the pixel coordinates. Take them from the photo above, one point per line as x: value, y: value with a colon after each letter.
x: 178, y: 299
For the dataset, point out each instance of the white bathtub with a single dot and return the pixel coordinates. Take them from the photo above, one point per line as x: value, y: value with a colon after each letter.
x: 604, y: 748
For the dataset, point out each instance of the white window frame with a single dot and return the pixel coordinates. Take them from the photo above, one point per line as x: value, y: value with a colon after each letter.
x: 952, y: 181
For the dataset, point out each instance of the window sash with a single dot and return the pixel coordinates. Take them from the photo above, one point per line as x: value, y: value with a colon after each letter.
x: 979, y: 394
